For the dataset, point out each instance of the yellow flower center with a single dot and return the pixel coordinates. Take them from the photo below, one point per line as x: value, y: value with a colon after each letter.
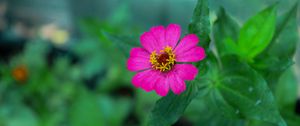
x: 164, y: 61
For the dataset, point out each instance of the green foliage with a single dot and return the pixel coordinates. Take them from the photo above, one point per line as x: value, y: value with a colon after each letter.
x: 200, y: 105
x: 85, y: 111
x: 240, y: 92
x: 225, y: 29
x: 100, y: 110
x: 172, y: 106
x: 200, y: 24
x: 234, y: 86
x: 255, y: 35
x: 19, y: 115
x: 278, y: 56
x: 287, y: 86
x: 124, y: 43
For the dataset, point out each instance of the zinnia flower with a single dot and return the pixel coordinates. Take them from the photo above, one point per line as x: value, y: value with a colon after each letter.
x: 161, y: 64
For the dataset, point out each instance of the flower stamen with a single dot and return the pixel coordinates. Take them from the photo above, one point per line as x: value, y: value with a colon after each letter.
x: 164, y: 61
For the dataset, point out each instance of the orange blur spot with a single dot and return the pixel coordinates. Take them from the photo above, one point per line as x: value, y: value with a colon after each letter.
x: 20, y: 73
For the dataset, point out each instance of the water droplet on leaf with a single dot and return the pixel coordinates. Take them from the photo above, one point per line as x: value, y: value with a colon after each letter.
x: 258, y: 102
x: 250, y: 89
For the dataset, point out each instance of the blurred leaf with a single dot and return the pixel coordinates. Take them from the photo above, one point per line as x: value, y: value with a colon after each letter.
x: 114, y: 110
x: 86, y: 111
x: 35, y: 54
x: 121, y: 15
x: 200, y: 24
x: 123, y: 43
x: 144, y: 104
x: 286, y: 89
x: 53, y: 118
x: 61, y: 66
x: 17, y: 115
x: 225, y: 28
x: 291, y: 117
x: 94, y: 28
x: 93, y: 57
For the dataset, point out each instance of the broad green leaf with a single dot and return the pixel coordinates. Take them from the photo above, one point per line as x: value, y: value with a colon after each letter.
x: 256, y: 33
x: 240, y: 92
x: 200, y: 24
x: 225, y: 28
x: 167, y: 110
x: 279, y: 55
x: 201, y: 112
x: 283, y: 44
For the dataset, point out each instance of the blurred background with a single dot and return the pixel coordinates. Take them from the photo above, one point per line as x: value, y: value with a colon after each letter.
x: 58, y: 68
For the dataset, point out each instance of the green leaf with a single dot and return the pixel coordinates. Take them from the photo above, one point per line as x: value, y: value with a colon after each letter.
x: 286, y: 34
x: 167, y: 110
x: 257, y: 32
x: 201, y: 105
x: 225, y: 28
x: 200, y: 24
x: 230, y: 47
x: 173, y: 106
x: 279, y: 55
x: 240, y: 92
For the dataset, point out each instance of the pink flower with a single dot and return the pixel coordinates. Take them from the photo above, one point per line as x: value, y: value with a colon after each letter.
x: 161, y: 62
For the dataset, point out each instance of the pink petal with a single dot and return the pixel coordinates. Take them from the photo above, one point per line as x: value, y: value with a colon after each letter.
x: 149, y: 42
x: 159, y: 34
x: 138, y: 60
x: 185, y: 71
x: 173, y: 32
x: 192, y: 55
x: 146, y: 79
x: 176, y: 83
x: 139, y: 52
x: 188, y: 42
x: 162, y: 87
